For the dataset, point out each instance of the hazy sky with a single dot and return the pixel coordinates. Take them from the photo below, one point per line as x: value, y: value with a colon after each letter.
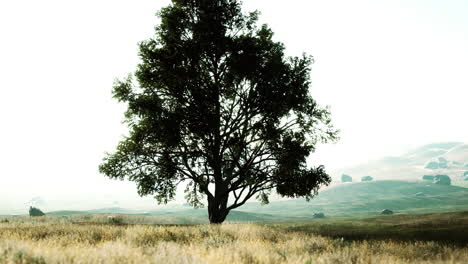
x: 395, y: 74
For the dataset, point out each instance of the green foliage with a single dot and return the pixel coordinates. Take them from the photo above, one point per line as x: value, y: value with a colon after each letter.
x: 367, y: 178
x: 22, y: 257
x: 442, y: 179
x: 33, y: 211
x: 218, y: 103
x: 118, y: 220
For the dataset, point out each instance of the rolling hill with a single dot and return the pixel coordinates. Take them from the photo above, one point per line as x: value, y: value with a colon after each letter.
x: 369, y: 198
x: 347, y: 199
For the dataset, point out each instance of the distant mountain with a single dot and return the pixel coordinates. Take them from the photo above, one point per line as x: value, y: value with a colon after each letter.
x: 437, y: 158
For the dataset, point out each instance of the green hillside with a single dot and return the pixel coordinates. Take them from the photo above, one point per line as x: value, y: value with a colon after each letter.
x: 343, y: 200
x: 369, y: 198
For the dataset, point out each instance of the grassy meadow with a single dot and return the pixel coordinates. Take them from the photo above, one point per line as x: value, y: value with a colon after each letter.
x: 427, y: 238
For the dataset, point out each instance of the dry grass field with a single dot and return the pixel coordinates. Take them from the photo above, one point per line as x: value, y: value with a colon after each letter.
x: 61, y: 240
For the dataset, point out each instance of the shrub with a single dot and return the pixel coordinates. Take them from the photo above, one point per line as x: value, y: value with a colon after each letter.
x: 442, y: 179
x: 367, y: 178
x: 386, y: 212
x: 33, y: 211
x: 115, y: 219
x: 319, y: 215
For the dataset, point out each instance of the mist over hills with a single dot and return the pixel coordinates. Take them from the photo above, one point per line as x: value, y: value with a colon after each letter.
x: 396, y: 181
x: 453, y: 156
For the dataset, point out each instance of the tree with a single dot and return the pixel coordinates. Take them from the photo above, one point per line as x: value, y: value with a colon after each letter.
x: 220, y: 107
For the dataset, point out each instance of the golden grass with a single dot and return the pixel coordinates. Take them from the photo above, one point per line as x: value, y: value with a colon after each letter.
x: 50, y: 240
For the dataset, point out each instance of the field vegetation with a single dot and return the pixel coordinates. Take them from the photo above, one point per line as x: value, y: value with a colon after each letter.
x: 430, y: 238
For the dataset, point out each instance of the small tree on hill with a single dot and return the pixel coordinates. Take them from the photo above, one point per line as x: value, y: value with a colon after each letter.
x: 218, y: 106
x: 33, y: 211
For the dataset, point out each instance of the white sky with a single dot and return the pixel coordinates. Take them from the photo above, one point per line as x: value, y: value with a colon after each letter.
x: 394, y: 72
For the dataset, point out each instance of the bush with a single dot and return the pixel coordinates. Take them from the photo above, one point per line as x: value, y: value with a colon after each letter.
x: 319, y: 215
x: 367, y: 178
x: 386, y: 212
x: 115, y: 219
x: 442, y: 180
x: 33, y: 211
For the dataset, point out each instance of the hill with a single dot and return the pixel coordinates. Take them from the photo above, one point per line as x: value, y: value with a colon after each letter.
x: 369, y: 198
x: 347, y: 199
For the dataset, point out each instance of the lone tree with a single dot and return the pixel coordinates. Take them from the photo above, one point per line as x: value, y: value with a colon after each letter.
x: 220, y: 107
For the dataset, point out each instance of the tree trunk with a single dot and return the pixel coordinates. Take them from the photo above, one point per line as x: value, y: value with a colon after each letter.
x: 217, y: 211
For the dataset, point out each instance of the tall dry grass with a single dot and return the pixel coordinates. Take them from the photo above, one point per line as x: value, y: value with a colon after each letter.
x: 54, y: 240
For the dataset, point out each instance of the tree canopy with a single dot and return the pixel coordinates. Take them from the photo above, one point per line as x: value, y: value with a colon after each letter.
x: 219, y: 106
